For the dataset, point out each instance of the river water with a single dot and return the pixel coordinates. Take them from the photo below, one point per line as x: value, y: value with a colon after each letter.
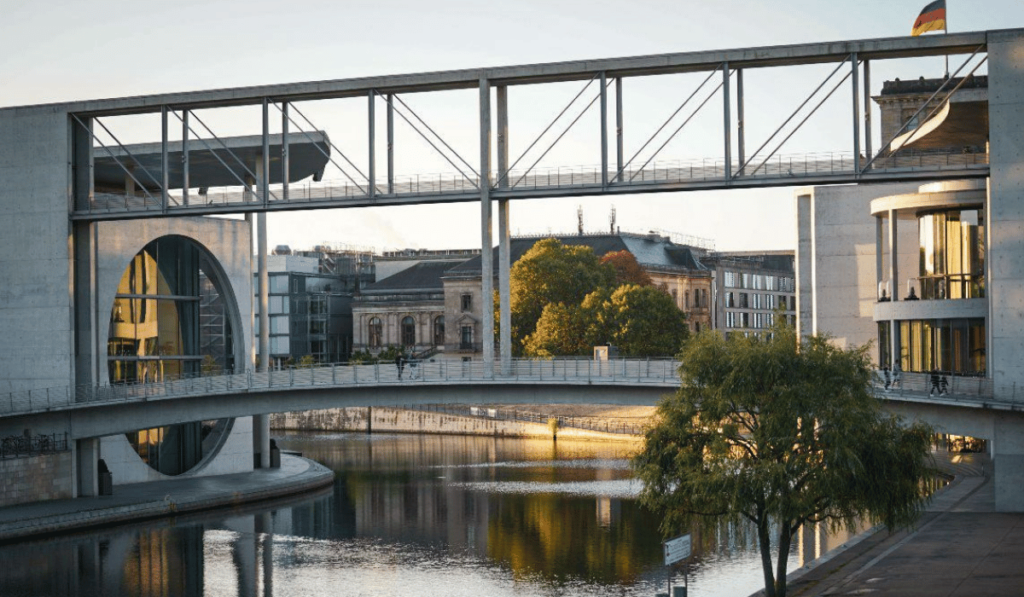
x: 411, y: 515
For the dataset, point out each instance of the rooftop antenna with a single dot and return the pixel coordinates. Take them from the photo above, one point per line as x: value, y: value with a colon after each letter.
x: 579, y: 219
x: 611, y: 220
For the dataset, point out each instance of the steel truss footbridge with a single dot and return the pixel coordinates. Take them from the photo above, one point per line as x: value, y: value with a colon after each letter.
x: 263, y: 172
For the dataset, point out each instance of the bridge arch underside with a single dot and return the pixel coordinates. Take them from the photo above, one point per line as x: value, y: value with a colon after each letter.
x: 1003, y: 429
x: 110, y: 419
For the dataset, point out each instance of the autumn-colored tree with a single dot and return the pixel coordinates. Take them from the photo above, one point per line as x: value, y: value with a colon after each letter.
x: 780, y: 432
x: 548, y: 274
x: 638, y: 320
x: 627, y: 268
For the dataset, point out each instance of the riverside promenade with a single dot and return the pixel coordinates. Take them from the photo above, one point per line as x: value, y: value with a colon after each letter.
x: 138, y: 501
x: 960, y: 547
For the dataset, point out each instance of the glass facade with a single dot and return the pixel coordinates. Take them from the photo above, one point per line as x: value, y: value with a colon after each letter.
x: 953, y: 346
x: 169, y: 320
x: 952, y: 254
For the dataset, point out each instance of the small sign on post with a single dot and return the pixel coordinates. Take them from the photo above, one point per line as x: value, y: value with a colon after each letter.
x: 677, y: 549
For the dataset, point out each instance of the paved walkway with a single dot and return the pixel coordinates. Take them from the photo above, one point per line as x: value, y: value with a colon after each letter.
x: 960, y: 547
x: 161, y: 498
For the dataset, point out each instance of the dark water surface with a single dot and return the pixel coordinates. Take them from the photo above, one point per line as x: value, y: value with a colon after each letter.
x: 411, y: 515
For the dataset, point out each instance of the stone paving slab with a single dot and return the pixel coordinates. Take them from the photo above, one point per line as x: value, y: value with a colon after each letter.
x: 960, y: 547
x: 162, y: 498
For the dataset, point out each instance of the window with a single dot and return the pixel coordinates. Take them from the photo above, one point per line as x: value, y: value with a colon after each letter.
x: 466, y: 338
x: 758, y: 285
x: 730, y: 319
x: 757, y: 300
x: 771, y: 301
x: 439, y: 330
x: 746, y: 280
x: 375, y: 332
x: 467, y: 302
x: 744, y: 320
x: 769, y: 283
x: 744, y: 303
x: 675, y: 296
x: 730, y: 279
x: 696, y: 327
x: 686, y: 298
x: 782, y: 301
x: 704, y: 298
x: 730, y: 299
x: 408, y: 331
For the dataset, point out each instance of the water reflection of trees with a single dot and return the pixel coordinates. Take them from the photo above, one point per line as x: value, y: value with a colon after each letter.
x: 558, y: 537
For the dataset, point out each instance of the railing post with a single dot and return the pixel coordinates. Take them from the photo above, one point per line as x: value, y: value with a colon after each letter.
x: 334, y: 375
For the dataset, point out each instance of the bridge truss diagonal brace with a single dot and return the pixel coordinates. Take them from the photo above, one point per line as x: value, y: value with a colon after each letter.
x: 423, y: 135
x: 934, y: 110
x: 94, y: 138
x: 286, y: 118
x: 184, y: 118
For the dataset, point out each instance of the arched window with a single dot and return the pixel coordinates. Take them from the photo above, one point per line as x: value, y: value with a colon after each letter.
x: 375, y: 332
x: 408, y: 331
x: 439, y: 330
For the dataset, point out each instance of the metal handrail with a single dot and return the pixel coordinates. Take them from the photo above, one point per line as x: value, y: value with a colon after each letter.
x: 658, y: 372
x: 780, y: 166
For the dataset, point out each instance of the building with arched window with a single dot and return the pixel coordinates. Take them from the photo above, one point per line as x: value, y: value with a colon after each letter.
x: 405, y: 307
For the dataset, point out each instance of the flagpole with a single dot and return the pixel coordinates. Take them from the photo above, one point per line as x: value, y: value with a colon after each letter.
x: 945, y: 30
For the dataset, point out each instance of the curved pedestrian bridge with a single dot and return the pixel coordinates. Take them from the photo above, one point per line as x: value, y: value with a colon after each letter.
x: 659, y: 375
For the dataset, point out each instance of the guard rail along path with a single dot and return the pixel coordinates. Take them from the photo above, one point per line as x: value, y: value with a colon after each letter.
x: 966, y: 390
x: 569, y: 371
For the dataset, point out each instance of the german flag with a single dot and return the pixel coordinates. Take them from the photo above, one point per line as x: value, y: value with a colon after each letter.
x: 932, y: 18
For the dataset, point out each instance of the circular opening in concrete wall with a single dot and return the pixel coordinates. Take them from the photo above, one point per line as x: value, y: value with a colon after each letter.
x: 170, y: 321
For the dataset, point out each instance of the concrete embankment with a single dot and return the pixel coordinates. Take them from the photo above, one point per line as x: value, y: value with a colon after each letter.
x: 140, y: 501
x: 396, y: 420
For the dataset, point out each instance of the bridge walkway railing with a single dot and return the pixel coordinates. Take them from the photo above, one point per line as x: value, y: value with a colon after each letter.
x: 629, y: 372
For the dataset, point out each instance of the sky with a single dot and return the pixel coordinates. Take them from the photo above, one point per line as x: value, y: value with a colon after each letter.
x: 66, y: 50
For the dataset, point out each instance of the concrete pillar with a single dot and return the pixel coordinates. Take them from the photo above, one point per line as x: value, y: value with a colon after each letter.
x: 504, y: 257
x: 261, y: 423
x: 894, y: 285
x: 87, y: 457
x: 486, y: 256
x: 1006, y: 210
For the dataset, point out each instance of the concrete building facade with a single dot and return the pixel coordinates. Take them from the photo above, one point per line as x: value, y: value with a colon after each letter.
x: 933, y: 273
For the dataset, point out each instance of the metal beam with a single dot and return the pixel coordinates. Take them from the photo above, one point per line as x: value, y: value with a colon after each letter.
x: 286, y: 167
x: 868, y: 151
x: 164, y: 166
x: 618, y: 130
x: 741, y: 147
x: 727, y: 120
x: 265, y: 156
x: 604, y: 130
x: 371, y: 187
x: 757, y: 57
x: 184, y: 159
x: 391, y: 144
x: 855, y: 105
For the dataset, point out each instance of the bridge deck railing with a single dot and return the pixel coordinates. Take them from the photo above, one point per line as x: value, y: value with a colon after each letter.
x: 658, y: 372
x: 673, y: 172
x: 661, y: 372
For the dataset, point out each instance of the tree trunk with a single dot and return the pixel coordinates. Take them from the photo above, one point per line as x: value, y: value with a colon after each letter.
x: 764, y: 542
x: 785, y: 540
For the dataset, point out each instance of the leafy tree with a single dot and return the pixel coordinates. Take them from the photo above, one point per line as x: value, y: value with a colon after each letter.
x: 627, y: 268
x: 638, y: 320
x: 644, y: 322
x: 551, y: 273
x: 779, y: 432
x: 561, y: 330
